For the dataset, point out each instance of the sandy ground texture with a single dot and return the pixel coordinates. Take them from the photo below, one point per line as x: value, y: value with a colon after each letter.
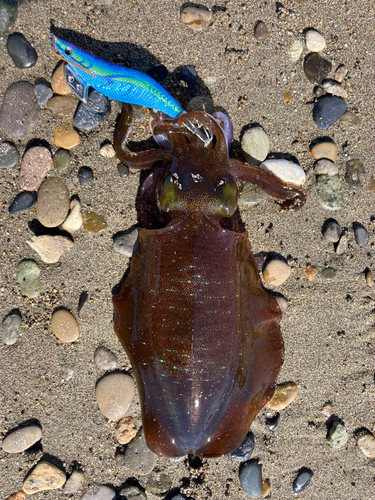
x: 329, y: 328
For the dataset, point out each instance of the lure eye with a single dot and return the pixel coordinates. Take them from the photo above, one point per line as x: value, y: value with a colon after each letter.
x: 68, y: 51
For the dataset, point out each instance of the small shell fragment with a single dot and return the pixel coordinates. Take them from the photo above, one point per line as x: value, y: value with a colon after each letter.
x: 295, y: 50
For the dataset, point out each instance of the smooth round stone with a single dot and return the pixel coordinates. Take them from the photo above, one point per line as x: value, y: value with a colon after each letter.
x: 315, y: 42
x: 43, y: 91
x: 21, y: 52
x: 28, y: 277
x: 61, y: 160
x: 287, y: 171
x: 65, y: 326
x: 124, y: 244
x: 354, y: 173
x: 122, y: 170
x: 329, y: 191
x: 251, y: 195
x: 328, y: 110
x: 342, y: 245
x: 319, y: 91
x: 126, y: 430
x: 23, y: 201
x: 366, y: 444
x: 272, y: 421
x: 351, y: 119
x: 283, y: 396
x: 63, y: 105
x: 107, y: 151
x: 138, y: 458
x: 58, y: 81
x: 158, y: 72
x: 188, y: 75
x: 94, y: 223
x: 53, y: 202
x: 261, y: 31
x: 19, y: 111
x: 201, y: 103
x: 327, y: 150
x: 338, y: 436
x: 332, y: 232
x: 22, y: 439
x: 8, y: 15
x: 325, y: 167
x: 91, y: 114
x: 35, y: 165
x: 66, y: 137
x: 302, y: 480
x: 114, y: 393
x: 133, y: 493
x: 74, y: 220
x: 334, y: 88
x: 85, y: 176
x: 8, y: 155
x: 244, y: 451
x: 178, y: 497
x: 104, y: 359
x: 329, y: 273
x: 75, y: 484
x: 102, y: 493
x: 255, y: 144
x: 340, y: 73
x: 360, y: 234
x: 9, y: 328
x: 44, y: 476
x: 251, y: 478
x: 316, y: 68
x: 50, y: 248
x: 157, y: 483
x: 196, y: 18
x: 276, y: 272
x: 295, y: 50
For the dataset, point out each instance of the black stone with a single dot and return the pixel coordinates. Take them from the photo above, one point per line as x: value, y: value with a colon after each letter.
x: 327, y: 110
x: 20, y: 50
x: 23, y: 201
x: 93, y: 113
x: 302, y: 480
x: 158, y: 72
x: 244, y: 451
x: 271, y: 422
x: 188, y: 75
x: 316, y: 68
x: 86, y: 176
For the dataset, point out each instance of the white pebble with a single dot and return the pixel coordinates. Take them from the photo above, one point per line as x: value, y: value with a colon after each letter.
x: 74, y: 220
x: 104, y: 358
x: 285, y: 170
x: 276, y: 272
x: 315, y: 41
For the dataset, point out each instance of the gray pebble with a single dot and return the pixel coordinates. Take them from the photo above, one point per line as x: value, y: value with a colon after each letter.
x: 20, y: 50
x: 86, y: 176
x: 332, y: 232
x: 328, y: 110
x: 342, y: 245
x: 261, y: 31
x: 9, y: 328
x: 8, y: 155
x: 329, y: 273
x: 338, y: 436
x: 23, y: 201
x: 329, y: 191
x: 138, y: 457
x: 156, y: 482
x: 351, y: 119
x: 28, y: 277
x: 325, y: 167
x: 178, y: 497
x: 124, y: 243
x: 255, y: 144
x: 251, y: 195
x: 122, y: 170
x: 22, y: 439
x: 133, y: 493
x: 244, y: 451
x: 302, y: 480
x: 8, y: 15
x: 251, y: 478
x: 354, y: 173
x: 93, y: 113
x: 360, y: 234
x: 61, y: 160
x: 75, y: 484
x: 104, y: 359
x: 102, y: 493
x: 43, y: 91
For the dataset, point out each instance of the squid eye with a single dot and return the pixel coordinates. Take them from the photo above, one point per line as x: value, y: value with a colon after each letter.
x: 68, y: 51
x: 168, y: 194
x: 226, y: 196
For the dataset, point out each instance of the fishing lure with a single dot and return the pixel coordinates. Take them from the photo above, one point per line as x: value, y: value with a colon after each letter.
x: 116, y: 82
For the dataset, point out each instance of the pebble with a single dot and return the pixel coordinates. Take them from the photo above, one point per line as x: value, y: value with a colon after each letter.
x: 44, y: 476
x: 122, y: 170
x: 316, y: 68
x: 158, y: 72
x: 255, y: 144
x: 66, y: 137
x: 43, y: 91
x: 114, y: 393
x: 329, y: 191
x: 138, y: 457
x: 295, y: 50
x: 334, y: 88
x: 354, y: 173
x: 61, y: 160
x: 157, y: 483
x: 325, y: 167
x: 22, y: 439
x: 102, y: 493
x: 19, y: 495
x: 351, y: 119
x: 272, y: 421
x: 329, y: 273
x: 319, y: 91
x: 302, y: 480
x: 244, y: 451
x: 63, y: 105
x: 338, y: 436
x: 86, y: 176
x: 261, y: 31
x: 91, y: 114
x: 327, y: 411
x: 369, y: 278
x: 124, y: 243
x: 360, y: 234
x: 126, y: 430
x: 53, y: 202
x: 133, y: 493
x: 332, y: 232
x: 23, y: 201
x: 35, y: 165
x: 266, y: 488
x: 315, y: 42
x: 311, y: 272
x: 65, y: 326
x: 74, y: 220
x: 328, y: 110
x: 366, y: 444
x: 251, y: 478
x: 327, y: 150
x: 107, y: 151
x: 340, y: 73
x: 28, y: 277
x: 75, y: 484
x: 67, y: 372
x: 104, y: 359
x: 50, y: 248
x: 9, y: 328
x: 8, y: 15
x: 201, y: 103
x: 19, y: 110
x: 251, y: 195
x: 276, y: 272
x: 188, y: 75
x: 196, y: 18
x: 283, y: 396
x: 94, y: 223
x: 8, y: 155
x: 287, y: 171
x: 342, y: 245
x: 58, y: 81
x: 21, y: 52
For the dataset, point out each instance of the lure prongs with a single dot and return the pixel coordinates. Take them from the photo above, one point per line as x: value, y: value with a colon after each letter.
x: 206, y: 136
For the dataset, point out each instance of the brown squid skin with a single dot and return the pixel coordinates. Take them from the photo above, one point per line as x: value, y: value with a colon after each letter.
x: 201, y: 332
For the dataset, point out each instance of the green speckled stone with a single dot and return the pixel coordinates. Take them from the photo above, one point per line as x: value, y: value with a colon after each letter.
x: 28, y: 277
x: 94, y: 223
x: 329, y: 191
x: 337, y: 435
x: 61, y: 160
